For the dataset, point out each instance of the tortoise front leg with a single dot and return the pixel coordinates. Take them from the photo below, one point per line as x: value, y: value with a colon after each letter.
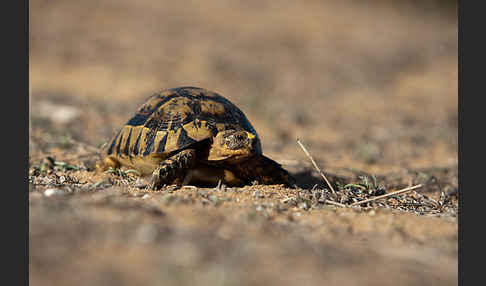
x: 172, y: 168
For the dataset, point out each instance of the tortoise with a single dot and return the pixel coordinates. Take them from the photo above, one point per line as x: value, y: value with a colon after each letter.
x: 192, y: 135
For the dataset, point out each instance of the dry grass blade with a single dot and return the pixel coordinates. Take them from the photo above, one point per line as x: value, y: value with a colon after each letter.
x: 315, y: 165
x: 336, y: 204
x: 408, y: 189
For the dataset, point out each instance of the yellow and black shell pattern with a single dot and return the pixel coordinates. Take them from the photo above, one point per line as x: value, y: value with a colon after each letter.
x: 174, y: 119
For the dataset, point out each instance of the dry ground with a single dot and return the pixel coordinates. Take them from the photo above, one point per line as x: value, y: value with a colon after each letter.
x: 369, y: 87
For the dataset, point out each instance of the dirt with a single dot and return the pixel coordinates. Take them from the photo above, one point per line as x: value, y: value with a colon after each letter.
x: 369, y: 88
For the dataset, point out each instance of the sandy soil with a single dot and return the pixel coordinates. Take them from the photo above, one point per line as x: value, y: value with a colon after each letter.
x: 369, y: 87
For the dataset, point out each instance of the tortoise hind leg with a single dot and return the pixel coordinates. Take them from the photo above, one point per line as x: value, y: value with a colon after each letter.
x: 273, y: 173
x: 173, y: 168
x: 263, y: 170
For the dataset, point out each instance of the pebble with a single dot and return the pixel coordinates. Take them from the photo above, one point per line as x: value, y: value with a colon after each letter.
x: 140, y: 183
x: 53, y: 192
x: 62, y: 179
x: 258, y: 194
x: 62, y: 114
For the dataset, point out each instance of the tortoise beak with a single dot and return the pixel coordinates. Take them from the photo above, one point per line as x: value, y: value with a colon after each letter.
x: 253, y: 140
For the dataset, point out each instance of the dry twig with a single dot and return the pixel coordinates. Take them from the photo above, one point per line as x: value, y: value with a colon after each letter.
x: 408, y: 189
x: 315, y: 165
x: 335, y: 203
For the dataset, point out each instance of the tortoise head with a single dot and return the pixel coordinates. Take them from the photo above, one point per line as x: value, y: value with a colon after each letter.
x: 233, y: 145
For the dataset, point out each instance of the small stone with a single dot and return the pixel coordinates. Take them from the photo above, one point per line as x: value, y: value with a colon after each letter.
x: 258, y: 194
x: 53, y: 192
x: 62, y: 179
x: 304, y: 206
x: 61, y: 114
x: 140, y: 183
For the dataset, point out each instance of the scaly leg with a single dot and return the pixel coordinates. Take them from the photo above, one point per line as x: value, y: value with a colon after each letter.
x: 173, y: 168
x: 263, y: 170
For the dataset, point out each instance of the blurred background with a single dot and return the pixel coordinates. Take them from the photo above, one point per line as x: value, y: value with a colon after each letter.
x: 365, y: 85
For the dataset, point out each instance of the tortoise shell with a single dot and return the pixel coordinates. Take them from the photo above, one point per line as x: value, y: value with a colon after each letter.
x: 172, y: 120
